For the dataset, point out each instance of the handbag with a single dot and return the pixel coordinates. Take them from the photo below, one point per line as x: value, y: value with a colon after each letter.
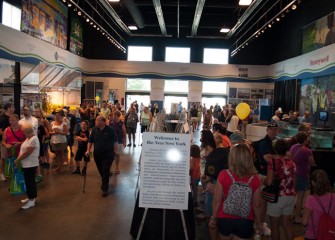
x: 271, y: 193
x: 18, y: 184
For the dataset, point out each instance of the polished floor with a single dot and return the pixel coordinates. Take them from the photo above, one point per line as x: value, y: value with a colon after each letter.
x: 63, y: 211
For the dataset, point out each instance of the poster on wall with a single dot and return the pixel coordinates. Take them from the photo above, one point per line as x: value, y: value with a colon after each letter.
x: 46, y: 20
x: 164, y: 176
x: 257, y: 93
x: 317, y: 94
x: 232, y: 92
x: 319, y: 34
x: 76, y: 35
x: 7, y: 74
x: 243, y: 93
x: 268, y: 94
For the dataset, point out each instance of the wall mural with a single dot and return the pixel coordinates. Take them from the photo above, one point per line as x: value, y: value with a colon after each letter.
x: 317, y: 94
x: 46, y: 20
x: 319, y: 34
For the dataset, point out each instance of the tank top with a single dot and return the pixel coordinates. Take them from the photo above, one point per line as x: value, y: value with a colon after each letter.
x: 10, y: 139
x: 58, y: 138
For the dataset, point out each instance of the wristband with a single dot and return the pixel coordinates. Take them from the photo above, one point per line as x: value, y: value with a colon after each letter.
x: 213, y: 218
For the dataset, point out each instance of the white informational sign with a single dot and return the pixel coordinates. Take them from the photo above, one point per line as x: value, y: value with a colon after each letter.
x: 164, y: 177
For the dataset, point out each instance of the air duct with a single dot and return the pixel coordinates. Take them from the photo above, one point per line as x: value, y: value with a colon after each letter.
x: 134, y: 12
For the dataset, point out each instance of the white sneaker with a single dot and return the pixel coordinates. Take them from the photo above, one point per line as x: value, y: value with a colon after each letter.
x: 266, y: 230
x: 2, y: 178
x: 25, y: 200
x: 29, y: 204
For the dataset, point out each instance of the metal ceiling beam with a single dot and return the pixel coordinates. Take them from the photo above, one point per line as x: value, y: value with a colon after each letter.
x: 160, y: 17
x: 244, y: 17
x: 197, y: 17
x: 115, y: 16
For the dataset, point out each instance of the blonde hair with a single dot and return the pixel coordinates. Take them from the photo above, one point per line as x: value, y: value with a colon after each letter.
x: 241, y: 161
x: 28, y: 128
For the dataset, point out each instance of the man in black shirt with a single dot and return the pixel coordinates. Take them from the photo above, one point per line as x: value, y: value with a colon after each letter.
x: 105, y: 146
x: 4, y: 123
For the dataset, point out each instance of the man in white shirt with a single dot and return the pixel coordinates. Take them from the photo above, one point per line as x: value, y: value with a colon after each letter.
x: 276, y: 117
x: 29, y: 119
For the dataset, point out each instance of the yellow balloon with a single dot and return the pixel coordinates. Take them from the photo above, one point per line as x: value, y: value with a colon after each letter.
x: 242, y: 111
x: 97, y: 98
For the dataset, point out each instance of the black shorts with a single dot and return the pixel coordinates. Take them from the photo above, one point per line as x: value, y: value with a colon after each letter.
x: 144, y: 128
x: 80, y: 154
x: 70, y: 141
x: 41, y: 150
x: 242, y: 228
x: 131, y: 130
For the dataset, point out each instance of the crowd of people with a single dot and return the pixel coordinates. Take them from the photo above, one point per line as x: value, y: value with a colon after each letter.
x: 224, y: 158
x: 230, y: 171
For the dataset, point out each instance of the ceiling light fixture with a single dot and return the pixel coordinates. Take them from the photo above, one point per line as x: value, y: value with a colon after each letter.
x: 79, y: 13
x: 245, y: 2
x: 224, y: 30
x: 87, y: 20
x: 113, y: 0
x: 284, y: 10
x: 132, y: 27
x: 69, y: 5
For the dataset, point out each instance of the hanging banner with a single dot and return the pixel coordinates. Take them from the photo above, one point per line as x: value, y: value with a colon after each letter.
x: 46, y: 20
x: 319, y: 33
x: 164, y: 173
x: 76, y: 35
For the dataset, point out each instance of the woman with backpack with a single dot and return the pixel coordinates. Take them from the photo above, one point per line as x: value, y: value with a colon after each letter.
x: 237, y: 200
x: 285, y: 171
x: 319, y: 212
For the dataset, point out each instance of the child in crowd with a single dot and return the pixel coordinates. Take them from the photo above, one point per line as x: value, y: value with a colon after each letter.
x: 195, y: 171
x: 82, y: 137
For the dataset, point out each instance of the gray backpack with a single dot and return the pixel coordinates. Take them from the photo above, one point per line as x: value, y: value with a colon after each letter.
x: 238, y: 200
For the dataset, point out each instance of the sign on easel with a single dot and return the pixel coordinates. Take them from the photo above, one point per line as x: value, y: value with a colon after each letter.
x: 164, y: 177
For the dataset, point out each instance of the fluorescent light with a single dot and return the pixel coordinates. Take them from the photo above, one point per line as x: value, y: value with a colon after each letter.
x: 245, y: 2
x: 132, y: 27
x: 113, y: 0
x: 224, y: 30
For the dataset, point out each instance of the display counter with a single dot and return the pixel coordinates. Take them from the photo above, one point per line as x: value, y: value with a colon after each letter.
x: 256, y: 131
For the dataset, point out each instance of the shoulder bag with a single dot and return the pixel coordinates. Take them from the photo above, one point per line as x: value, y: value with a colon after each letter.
x: 271, y: 193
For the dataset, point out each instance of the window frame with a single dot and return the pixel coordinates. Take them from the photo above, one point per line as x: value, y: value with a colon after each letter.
x: 216, y: 50
x: 139, y: 60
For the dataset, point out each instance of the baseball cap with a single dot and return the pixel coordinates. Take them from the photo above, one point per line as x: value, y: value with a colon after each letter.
x: 236, y: 136
x: 272, y: 125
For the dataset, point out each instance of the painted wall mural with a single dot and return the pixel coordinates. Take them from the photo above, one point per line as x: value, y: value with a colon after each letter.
x: 46, y: 20
x: 319, y: 34
x: 76, y: 35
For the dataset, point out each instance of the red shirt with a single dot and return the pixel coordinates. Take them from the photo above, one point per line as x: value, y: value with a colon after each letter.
x: 195, y: 174
x: 225, y: 181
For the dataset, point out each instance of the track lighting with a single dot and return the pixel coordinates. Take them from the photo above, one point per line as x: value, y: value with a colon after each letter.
x: 294, y: 7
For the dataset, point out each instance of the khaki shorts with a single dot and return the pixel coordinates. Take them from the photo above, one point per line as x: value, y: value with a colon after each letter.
x: 58, y: 146
x: 3, y: 152
x: 284, y: 206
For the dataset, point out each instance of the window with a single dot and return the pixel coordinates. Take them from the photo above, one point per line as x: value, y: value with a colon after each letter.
x: 138, y: 84
x: 216, y: 56
x: 136, y: 53
x: 177, y: 54
x: 176, y: 86
x: 214, y: 87
x: 11, y: 16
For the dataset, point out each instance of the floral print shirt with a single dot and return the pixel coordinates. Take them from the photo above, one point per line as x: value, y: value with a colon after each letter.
x: 286, y: 171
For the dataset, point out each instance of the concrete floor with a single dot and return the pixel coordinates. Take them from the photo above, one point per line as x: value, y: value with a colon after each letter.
x: 63, y: 211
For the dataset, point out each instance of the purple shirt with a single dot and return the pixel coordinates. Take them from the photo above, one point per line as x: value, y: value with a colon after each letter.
x: 301, y: 159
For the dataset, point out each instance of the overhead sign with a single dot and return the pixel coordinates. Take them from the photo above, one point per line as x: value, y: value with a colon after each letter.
x: 164, y: 177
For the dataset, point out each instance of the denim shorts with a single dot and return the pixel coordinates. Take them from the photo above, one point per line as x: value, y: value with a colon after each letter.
x: 240, y: 227
x: 301, y: 184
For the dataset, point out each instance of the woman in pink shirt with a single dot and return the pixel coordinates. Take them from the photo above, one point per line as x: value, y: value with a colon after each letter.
x: 321, y: 199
